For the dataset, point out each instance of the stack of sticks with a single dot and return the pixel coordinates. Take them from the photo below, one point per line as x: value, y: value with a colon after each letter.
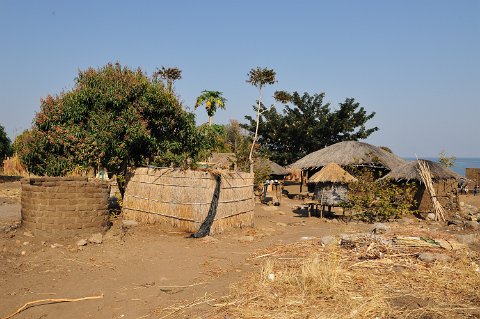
x: 426, y: 176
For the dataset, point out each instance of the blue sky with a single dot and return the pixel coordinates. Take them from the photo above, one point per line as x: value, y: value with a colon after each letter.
x: 414, y: 63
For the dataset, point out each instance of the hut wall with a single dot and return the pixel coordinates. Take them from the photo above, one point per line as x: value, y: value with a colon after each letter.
x: 181, y: 199
x: 330, y: 193
x: 446, y: 191
x: 64, y: 206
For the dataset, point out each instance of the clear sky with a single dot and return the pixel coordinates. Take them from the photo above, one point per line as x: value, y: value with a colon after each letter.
x: 415, y: 63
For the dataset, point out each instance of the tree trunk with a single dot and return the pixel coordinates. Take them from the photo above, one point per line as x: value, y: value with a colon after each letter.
x: 209, y: 121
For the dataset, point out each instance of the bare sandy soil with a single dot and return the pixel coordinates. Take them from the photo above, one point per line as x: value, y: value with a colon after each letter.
x: 135, y: 269
x: 140, y: 271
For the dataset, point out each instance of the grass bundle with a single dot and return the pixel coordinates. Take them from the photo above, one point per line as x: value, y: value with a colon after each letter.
x: 12, y: 166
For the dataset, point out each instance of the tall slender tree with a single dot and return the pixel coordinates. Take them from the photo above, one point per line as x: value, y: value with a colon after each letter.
x: 212, y: 101
x: 168, y: 74
x: 259, y: 77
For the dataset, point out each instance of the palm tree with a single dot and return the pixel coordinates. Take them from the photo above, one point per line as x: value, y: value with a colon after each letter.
x: 212, y: 101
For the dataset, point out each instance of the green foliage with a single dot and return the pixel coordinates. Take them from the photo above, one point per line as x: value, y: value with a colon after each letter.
x: 379, y: 200
x: 308, y: 125
x: 212, y: 101
x: 112, y: 118
x: 260, y: 76
x: 212, y: 139
x: 445, y: 160
x: 5, y: 144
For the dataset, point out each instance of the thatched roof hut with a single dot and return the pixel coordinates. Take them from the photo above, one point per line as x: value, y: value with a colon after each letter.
x: 409, y: 172
x: 331, y: 184
x: 275, y: 169
x: 445, y: 183
x: 350, y: 153
x: 332, y: 173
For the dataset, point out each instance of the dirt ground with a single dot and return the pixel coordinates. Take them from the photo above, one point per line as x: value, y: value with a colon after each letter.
x: 142, y: 271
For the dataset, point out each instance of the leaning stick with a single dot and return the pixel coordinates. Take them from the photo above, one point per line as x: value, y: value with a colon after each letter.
x: 48, y: 301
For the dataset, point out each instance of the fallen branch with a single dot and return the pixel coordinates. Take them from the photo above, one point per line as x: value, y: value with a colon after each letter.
x: 49, y: 301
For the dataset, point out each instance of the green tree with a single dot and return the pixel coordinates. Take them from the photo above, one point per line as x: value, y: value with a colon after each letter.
x: 308, y: 125
x: 445, y: 160
x: 212, y: 101
x: 212, y: 139
x: 5, y: 144
x: 170, y: 75
x: 259, y: 77
x: 114, y: 117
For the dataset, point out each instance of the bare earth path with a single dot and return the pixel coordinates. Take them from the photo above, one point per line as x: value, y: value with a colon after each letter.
x: 135, y: 270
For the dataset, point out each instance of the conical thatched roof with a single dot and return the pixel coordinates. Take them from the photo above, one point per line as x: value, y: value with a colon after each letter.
x: 409, y: 171
x: 332, y: 173
x: 350, y: 153
x: 274, y: 167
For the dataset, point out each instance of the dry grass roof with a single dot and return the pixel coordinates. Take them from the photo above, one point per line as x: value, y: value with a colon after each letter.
x: 409, y: 172
x: 332, y: 173
x: 350, y: 153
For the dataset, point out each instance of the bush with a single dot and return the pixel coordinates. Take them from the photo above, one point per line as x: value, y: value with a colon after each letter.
x: 379, y: 200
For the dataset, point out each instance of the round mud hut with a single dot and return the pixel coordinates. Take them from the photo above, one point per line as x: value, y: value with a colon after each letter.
x: 445, y: 183
x: 184, y: 199
x: 62, y: 207
x: 331, y: 185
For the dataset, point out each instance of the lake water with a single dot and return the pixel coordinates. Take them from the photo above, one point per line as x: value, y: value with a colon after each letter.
x: 460, y: 163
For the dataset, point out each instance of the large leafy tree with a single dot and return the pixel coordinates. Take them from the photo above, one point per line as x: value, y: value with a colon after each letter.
x: 308, y: 124
x: 5, y: 144
x: 212, y: 101
x: 112, y: 118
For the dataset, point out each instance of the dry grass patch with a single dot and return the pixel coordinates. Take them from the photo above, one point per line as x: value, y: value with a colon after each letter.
x: 368, y: 280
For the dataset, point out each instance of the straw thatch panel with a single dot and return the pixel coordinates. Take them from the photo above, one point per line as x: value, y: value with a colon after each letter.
x: 332, y: 173
x: 445, y: 183
x: 182, y: 198
x: 350, y: 153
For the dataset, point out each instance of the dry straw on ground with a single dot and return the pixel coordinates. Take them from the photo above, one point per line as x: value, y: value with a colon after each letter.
x: 182, y: 198
x: 370, y: 279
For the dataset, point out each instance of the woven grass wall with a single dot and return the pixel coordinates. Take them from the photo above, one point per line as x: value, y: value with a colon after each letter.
x: 182, y: 198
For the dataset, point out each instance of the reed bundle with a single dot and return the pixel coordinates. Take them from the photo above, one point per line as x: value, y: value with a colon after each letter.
x: 182, y: 198
x: 426, y: 177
